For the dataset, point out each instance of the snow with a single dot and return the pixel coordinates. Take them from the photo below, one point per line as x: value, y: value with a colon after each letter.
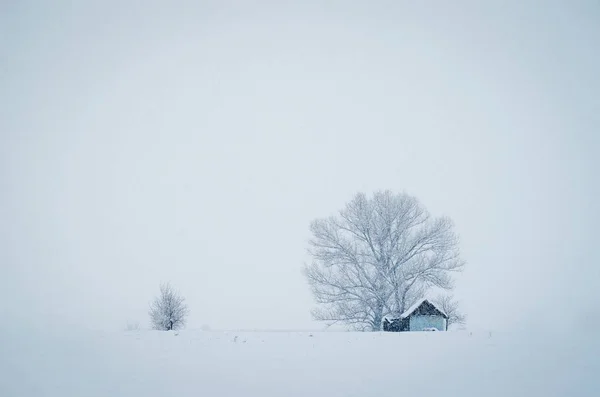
x: 269, y: 364
x: 416, y: 305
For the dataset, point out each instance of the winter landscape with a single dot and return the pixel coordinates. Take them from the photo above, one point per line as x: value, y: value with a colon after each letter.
x: 298, y: 198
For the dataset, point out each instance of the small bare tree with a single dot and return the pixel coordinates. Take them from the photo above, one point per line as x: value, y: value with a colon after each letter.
x: 132, y: 326
x: 168, y: 311
x: 450, y: 307
x: 377, y: 257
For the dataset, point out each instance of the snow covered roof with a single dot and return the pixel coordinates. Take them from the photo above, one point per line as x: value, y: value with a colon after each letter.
x: 417, y: 305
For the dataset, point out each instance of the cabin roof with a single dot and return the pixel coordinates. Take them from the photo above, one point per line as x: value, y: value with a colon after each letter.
x: 414, y: 307
x: 418, y: 304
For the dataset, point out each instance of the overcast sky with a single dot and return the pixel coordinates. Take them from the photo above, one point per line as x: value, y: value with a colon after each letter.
x: 194, y: 143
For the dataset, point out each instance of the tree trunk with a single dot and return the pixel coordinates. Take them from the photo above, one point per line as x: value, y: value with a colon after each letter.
x: 377, y: 319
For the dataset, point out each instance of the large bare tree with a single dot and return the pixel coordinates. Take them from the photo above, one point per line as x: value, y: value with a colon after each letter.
x: 377, y: 257
x: 168, y: 311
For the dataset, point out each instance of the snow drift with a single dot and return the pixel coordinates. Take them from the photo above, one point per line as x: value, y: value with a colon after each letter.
x: 197, y: 363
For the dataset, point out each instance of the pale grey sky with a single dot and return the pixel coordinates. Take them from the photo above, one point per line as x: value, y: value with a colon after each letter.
x: 194, y: 142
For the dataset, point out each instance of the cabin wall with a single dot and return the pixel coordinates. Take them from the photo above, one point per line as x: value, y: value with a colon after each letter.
x: 396, y: 325
x: 417, y: 323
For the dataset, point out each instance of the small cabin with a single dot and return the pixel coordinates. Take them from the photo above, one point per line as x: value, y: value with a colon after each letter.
x: 422, y: 316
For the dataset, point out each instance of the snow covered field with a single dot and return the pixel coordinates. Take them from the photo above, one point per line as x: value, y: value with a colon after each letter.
x: 328, y: 364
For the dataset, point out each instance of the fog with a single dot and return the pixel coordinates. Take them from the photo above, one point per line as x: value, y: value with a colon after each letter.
x: 194, y: 142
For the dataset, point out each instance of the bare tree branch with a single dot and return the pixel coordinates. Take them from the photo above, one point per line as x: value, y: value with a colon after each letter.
x: 450, y: 307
